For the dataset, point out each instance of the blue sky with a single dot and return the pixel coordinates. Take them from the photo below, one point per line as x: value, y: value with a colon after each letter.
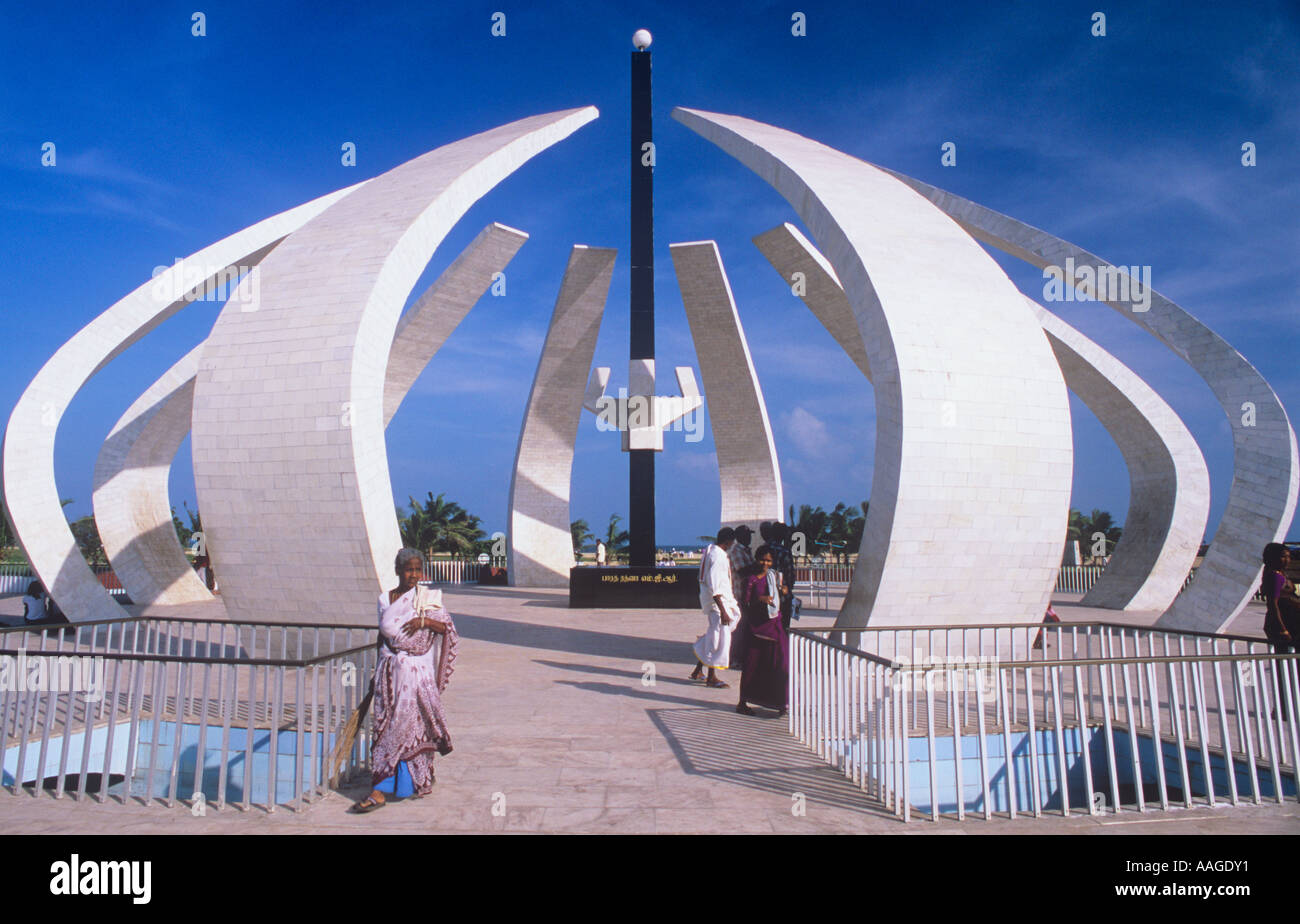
x: 1128, y: 145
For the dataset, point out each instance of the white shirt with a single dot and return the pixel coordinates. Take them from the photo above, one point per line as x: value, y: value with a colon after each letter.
x: 33, y: 608
x: 715, y: 579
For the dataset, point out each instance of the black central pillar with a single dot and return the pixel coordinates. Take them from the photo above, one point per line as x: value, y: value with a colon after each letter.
x: 641, y: 462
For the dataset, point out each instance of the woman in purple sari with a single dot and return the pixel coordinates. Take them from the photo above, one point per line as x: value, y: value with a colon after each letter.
x: 417, y: 648
x: 766, y: 663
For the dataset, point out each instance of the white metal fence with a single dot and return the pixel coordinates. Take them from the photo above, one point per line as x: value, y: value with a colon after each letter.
x: 15, y: 579
x: 227, y: 713
x: 819, y: 578
x: 1007, y: 720
x: 451, y: 571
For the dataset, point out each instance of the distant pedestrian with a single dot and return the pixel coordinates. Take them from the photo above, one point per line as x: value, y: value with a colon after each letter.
x: 39, y: 609
x: 718, y: 601
x: 740, y: 557
x: 766, y: 663
x: 600, y: 554
x: 742, y: 562
x: 1049, y: 618
x: 203, y: 568
x: 783, y: 562
x: 1281, y: 605
x: 34, y: 603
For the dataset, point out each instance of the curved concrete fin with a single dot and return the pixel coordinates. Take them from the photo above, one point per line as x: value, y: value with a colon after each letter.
x: 31, y: 493
x: 134, y: 466
x: 541, y: 543
x: 1266, y: 464
x: 132, y: 508
x: 748, y: 470
x: 1169, y: 483
x: 973, y: 450
x: 427, y: 324
x: 295, y: 493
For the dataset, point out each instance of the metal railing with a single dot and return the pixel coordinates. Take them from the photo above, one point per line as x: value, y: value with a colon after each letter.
x: 1077, y: 579
x: 15, y: 578
x: 451, y: 571
x: 1012, y: 719
x: 231, y: 713
x: 1070, y: 579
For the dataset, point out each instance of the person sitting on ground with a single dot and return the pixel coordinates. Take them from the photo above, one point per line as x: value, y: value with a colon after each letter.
x: 34, y: 604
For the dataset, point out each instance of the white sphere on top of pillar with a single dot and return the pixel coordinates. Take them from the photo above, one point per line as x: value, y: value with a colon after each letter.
x: 641, y: 39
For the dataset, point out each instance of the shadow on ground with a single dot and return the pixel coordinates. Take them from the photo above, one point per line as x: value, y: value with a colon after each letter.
x: 722, y: 746
x: 576, y: 641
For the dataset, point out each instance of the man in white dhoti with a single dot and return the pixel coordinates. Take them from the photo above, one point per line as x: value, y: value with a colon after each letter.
x: 713, y: 648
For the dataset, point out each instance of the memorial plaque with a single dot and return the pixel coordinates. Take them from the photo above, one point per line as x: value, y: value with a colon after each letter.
x: 670, y: 588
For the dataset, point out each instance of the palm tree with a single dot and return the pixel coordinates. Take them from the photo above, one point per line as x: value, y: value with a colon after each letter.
x: 812, y: 522
x: 440, y: 525
x: 839, y: 529
x: 615, y: 539
x: 582, y: 534
x: 1084, y: 528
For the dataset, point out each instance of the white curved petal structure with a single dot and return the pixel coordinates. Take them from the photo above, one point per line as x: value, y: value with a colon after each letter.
x: 425, y: 327
x: 973, y: 450
x: 748, y: 470
x: 31, y: 495
x: 132, y: 508
x: 1169, y: 483
x: 541, y: 543
x: 1266, y: 464
x: 290, y: 463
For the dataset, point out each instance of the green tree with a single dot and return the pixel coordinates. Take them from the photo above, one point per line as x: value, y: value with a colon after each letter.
x: 582, y: 534
x: 440, y: 525
x: 186, y: 533
x: 615, y: 539
x: 6, y: 534
x: 858, y: 526
x: 812, y: 522
x: 88, y: 541
x: 839, y: 530
x: 1085, y: 528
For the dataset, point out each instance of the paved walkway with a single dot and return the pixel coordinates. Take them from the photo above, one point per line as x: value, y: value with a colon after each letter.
x: 583, y: 721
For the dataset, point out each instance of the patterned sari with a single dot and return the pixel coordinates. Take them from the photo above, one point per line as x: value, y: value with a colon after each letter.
x: 413, y: 670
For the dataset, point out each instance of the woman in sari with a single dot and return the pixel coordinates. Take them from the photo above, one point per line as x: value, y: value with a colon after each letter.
x: 766, y: 662
x: 417, y: 648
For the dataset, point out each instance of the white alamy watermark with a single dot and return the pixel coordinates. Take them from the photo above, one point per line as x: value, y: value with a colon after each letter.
x: 190, y: 281
x: 76, y: 876
x: 949, y: 673
x: 1119, y: 285
x: 46, y: 673
x: 637, y: 412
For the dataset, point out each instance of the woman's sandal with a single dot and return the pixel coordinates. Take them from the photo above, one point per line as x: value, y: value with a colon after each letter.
x: 367, y: 805
x: 744, y: 710
x: 718, y: 684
